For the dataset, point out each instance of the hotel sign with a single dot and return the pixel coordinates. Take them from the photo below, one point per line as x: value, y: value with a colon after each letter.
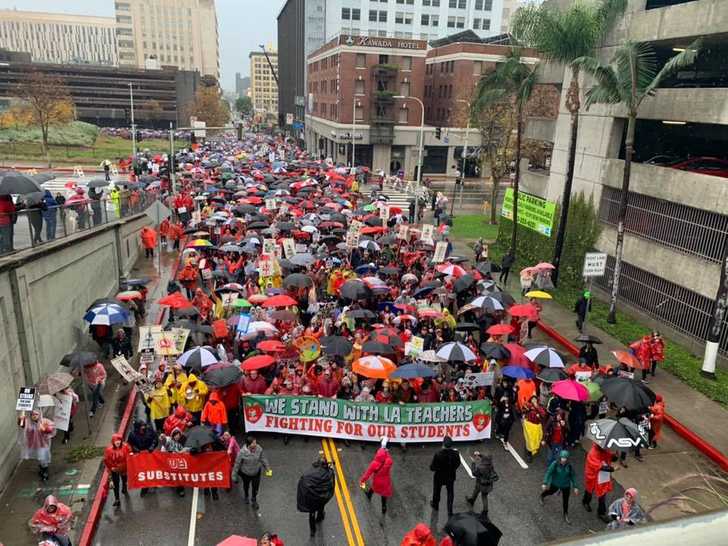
x: 386, y: 43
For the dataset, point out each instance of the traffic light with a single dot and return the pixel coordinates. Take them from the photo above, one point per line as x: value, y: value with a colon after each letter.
x: 438, y: 132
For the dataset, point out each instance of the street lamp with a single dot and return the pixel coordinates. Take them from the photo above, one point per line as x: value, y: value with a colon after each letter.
x: 353, y: 132
x: 422, y: 144
x: 465, y: 155
x: 133, y: 125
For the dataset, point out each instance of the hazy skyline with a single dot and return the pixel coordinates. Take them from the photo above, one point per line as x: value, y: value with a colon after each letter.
x: 242, y: 26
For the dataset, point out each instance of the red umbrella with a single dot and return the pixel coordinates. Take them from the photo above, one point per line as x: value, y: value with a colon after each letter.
x: 568, y: 389
x: 500, y: 329
x: 405, y: 307
x: 257, y: 298
x: 175, y: 300
x: 524, y: 310
x: 271, y: 346
x: 237, y: 540
x: 517, y: 358
x: 257, y: 362
x: 372, y: 230
x: 281, y: 300
x: 628, y: 359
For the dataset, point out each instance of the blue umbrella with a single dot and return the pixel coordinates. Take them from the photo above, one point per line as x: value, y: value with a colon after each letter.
x: 366, y: 268
x: 107, y: 314
x: 517, y: 372
x: 411, y: 371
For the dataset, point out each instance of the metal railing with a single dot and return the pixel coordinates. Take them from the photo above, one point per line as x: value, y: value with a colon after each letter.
x: 684, y: 310
x: 33, y: 227
x: 688, y: 229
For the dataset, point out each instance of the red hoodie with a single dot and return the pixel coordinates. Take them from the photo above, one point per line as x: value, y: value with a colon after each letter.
x: 115, y: 457
x: 180, y: 419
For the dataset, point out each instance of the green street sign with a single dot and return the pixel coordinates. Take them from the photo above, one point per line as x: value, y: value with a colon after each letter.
x: 534, y: 213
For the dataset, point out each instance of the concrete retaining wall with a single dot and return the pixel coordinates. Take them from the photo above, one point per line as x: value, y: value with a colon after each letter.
x: 44, y: 293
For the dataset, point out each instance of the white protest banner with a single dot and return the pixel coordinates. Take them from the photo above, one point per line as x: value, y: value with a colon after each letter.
x: 440, y: 252
x: 271, y: 204
x: 26, y: 399
x: 427, y: 232
x: 300, y: 248
x: 269, y: 247
x: 479, y: 379
x: 124, y: 368
x: 180, y: 338
x: 228, y: 298
x: 356, y: 225
x: 289, y: 248
x: 352, y: 239
x: 582, y: 377
x: 414, y: 346
x: 385, y: 214
x: 206, y: 274
x: 403, y: 232
x: 266, y: 267
x: 146, y: 337
x: 62, y: 412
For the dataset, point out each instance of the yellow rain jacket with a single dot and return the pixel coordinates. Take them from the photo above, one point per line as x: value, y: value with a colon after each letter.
x: 192, y: 394
x: 159, y: 402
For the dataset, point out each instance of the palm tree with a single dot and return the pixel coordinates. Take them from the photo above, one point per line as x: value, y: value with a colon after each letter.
x: 561, y: 37
x: 511, y: 80
x: 631, y: 77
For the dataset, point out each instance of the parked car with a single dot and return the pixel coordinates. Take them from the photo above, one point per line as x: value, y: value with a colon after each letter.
x: 703, y: 165
x: 663, y: 159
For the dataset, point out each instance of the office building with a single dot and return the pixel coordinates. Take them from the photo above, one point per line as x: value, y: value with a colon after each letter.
x: 242, y: 84
x: 301, y: 31
x: 101, y: 96
x: 263, y: 87
x: 58, y: 37
x: 677, y: 217
x: 181, y: 33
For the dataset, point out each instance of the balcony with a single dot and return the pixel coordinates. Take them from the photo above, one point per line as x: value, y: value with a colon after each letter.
x: 384, y: 70
x: 686, y: 20
x: 384, y: 98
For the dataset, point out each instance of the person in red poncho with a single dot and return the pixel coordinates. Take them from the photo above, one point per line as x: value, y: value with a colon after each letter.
x: 149, y: 240
x: 657, y: 416
x: 380, y: 470
x: 203, y: 303
x: 188, y: 278
x: 53, y: 521
x: 181, y: 419
x: 214, y: 413
x: 643, y: 351
x: 597, y: 479
x: 657, y: 351
x: 115, y: 456
x: 421, y: 535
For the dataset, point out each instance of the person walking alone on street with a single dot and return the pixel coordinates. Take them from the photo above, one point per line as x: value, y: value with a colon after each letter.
x: 149, y: 240
x: 657, y: 351
x: 249, y: 465
x: 444, y: 464
x: 581, y: 308
x: 95, y: 376
x: 380, y: 470
x: 115, y: 456
x: 315, y: 489
x: 485, y: 476
x: 506, y: 263
x: 560, y: 476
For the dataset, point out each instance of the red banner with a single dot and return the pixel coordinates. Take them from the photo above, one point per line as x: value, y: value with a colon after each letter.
x: 159, y: 469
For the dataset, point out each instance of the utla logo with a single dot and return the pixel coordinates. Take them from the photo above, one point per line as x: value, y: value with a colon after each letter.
x: 177, y: 463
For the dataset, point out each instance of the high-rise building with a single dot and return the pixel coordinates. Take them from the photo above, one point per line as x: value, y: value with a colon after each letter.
x: 263, y: 87
x: 58, y: 37
x: 181, y: 33
x: 242, y: 84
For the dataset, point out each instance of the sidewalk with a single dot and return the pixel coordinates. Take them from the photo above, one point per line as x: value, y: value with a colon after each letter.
x: 74, y: 483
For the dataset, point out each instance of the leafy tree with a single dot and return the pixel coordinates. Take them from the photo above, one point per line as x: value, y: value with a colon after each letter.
x: 48, y: 102
x: 561, y: 36
x: 512, y: 81
x: 629, y: 79
x: 154, y: 108
x: 16, y: 117
x: 244, y: 105
x: 210, y: 107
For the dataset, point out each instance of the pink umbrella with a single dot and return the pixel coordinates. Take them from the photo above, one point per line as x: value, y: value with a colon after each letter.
x: 237, y: 540
x: 568, y: 389
x: 517, y: 358
x: 544, y: 265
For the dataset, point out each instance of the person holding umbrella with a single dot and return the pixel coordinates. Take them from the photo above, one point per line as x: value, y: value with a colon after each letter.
x: 380, y: 470
x: 560, y: 476
x: 315, y: 489
x: 533, y: 418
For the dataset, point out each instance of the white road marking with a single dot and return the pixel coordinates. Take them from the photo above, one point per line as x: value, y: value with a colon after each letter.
x: 193, y: 517
x: 465, y: 465
x: 517, y: 457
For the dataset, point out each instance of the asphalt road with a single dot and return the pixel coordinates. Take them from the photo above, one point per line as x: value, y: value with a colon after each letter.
x: 163, y: 518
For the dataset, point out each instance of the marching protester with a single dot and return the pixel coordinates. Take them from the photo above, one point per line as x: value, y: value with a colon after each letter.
x: 315, y: 489
x: 444, y: 466
x: 598, y: 479
x: 142, y: 438
x: 250, y: 464
x: 485, y: 476
x: 53, y: 521
x: 626, y: 512
x: 36, y: 434
x: 560, y: 478
x: 115, y: 456
x: 380, y: 472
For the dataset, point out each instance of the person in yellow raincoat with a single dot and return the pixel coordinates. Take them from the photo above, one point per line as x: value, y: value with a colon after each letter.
x: 115, y: 196
x: 174, y: 382
x: 193, y: 393
x: 446, y: 321
x: 160, y: 403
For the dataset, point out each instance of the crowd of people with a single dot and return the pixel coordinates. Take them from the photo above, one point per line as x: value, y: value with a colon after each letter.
x: 346, y: 282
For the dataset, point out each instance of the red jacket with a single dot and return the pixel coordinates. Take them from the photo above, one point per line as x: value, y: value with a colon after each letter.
x: 254, y: 386
x: 7, y: 210
x: 180, y: 420
x: 381, y: 469
x: 214, y: 412
x: 115, y: 457
x: 327, y: 387
x: 596, y: 459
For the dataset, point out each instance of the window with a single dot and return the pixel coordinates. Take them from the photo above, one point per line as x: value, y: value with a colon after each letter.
x: 382, y: 16
x: 399, y: 17
x: 345, y: 13
x: 476, y: 23
x: 384, y: 59
x: 361, y: 60
x: 462, y: 4
x: 358, y: 112
x: 408, y: 19
x: 373, y: 15
x: 451, y: 22
x: 355, y: 14
x: 460, y: 22
x: 453, y: 4
x: 434, y: 21
x: 433, y: 3
x: 424, y: 36
x: 424, y: 19
x: 359, y: 87
x: 403, y: 118
x: 484, y: 5
x: 404, y: 89
x: 405, y: 63
x: 486, y: 24
x: 382, y: 33
x: 477, y: 68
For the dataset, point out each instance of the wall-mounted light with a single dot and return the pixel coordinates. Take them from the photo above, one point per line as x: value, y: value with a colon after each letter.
x: 668, y: 122
x: 678, y: 49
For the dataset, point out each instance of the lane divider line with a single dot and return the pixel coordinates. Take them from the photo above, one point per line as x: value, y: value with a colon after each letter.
x: 517, y: 457
x: 193, y: 517
x: 339, y: 497
x: 347, y: 496
x: 465, y: 465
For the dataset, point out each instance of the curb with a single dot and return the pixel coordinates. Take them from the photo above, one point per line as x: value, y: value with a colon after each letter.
x: 94, y: 515
x: 684, y: 432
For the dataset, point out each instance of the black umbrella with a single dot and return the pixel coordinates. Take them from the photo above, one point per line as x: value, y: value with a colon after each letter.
x: 187, y: 312
x: 484, y: 267
x: 467, y: 326
x: 17, y: 183
x: 336, y: 345
x: 360, y: 314
x: 258, y: 225
x: 285, y: 226
x: 463, y: 283
x: 586, y: 338
x: 389, y: 270
x: 200, y: 436
x: 298, y: 280
x: 41, y: 178
x: 619, y: 435
x: 504, y: 297
x: 552, y: 375
x: 355, y: 290
x: 373, y: 221
x: 222, y: 376
x: 457, y: 259
x: 138, y: 281
x: 377, y: 347
x: 194, y: 327
x: 495, y: 350
x: 468, y: 529
x: 79, y: 359
x: 98, y: 183
x: 627, y: 393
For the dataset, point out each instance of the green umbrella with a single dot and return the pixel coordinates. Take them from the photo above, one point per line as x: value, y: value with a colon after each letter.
x: 241, y: 303
x: 595, y: 392
x: 369, y: 207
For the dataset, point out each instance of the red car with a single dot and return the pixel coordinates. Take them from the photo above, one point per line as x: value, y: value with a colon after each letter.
x: 703, y: 165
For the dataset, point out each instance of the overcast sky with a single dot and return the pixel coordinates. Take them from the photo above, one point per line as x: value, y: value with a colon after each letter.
x: 243, y: 26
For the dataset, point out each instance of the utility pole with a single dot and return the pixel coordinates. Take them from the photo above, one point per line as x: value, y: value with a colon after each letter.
x: 172, y: 179
x: 270, y: 64
x: 717, y: 316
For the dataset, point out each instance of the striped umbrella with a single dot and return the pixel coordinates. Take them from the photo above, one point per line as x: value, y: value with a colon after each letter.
x: 198, y: 358
x: 374, y: 367
x: 487, y: 303
x: 199, y: 243
x: 544, y: 356
x: 456, y: 352
x: 106, y: 314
